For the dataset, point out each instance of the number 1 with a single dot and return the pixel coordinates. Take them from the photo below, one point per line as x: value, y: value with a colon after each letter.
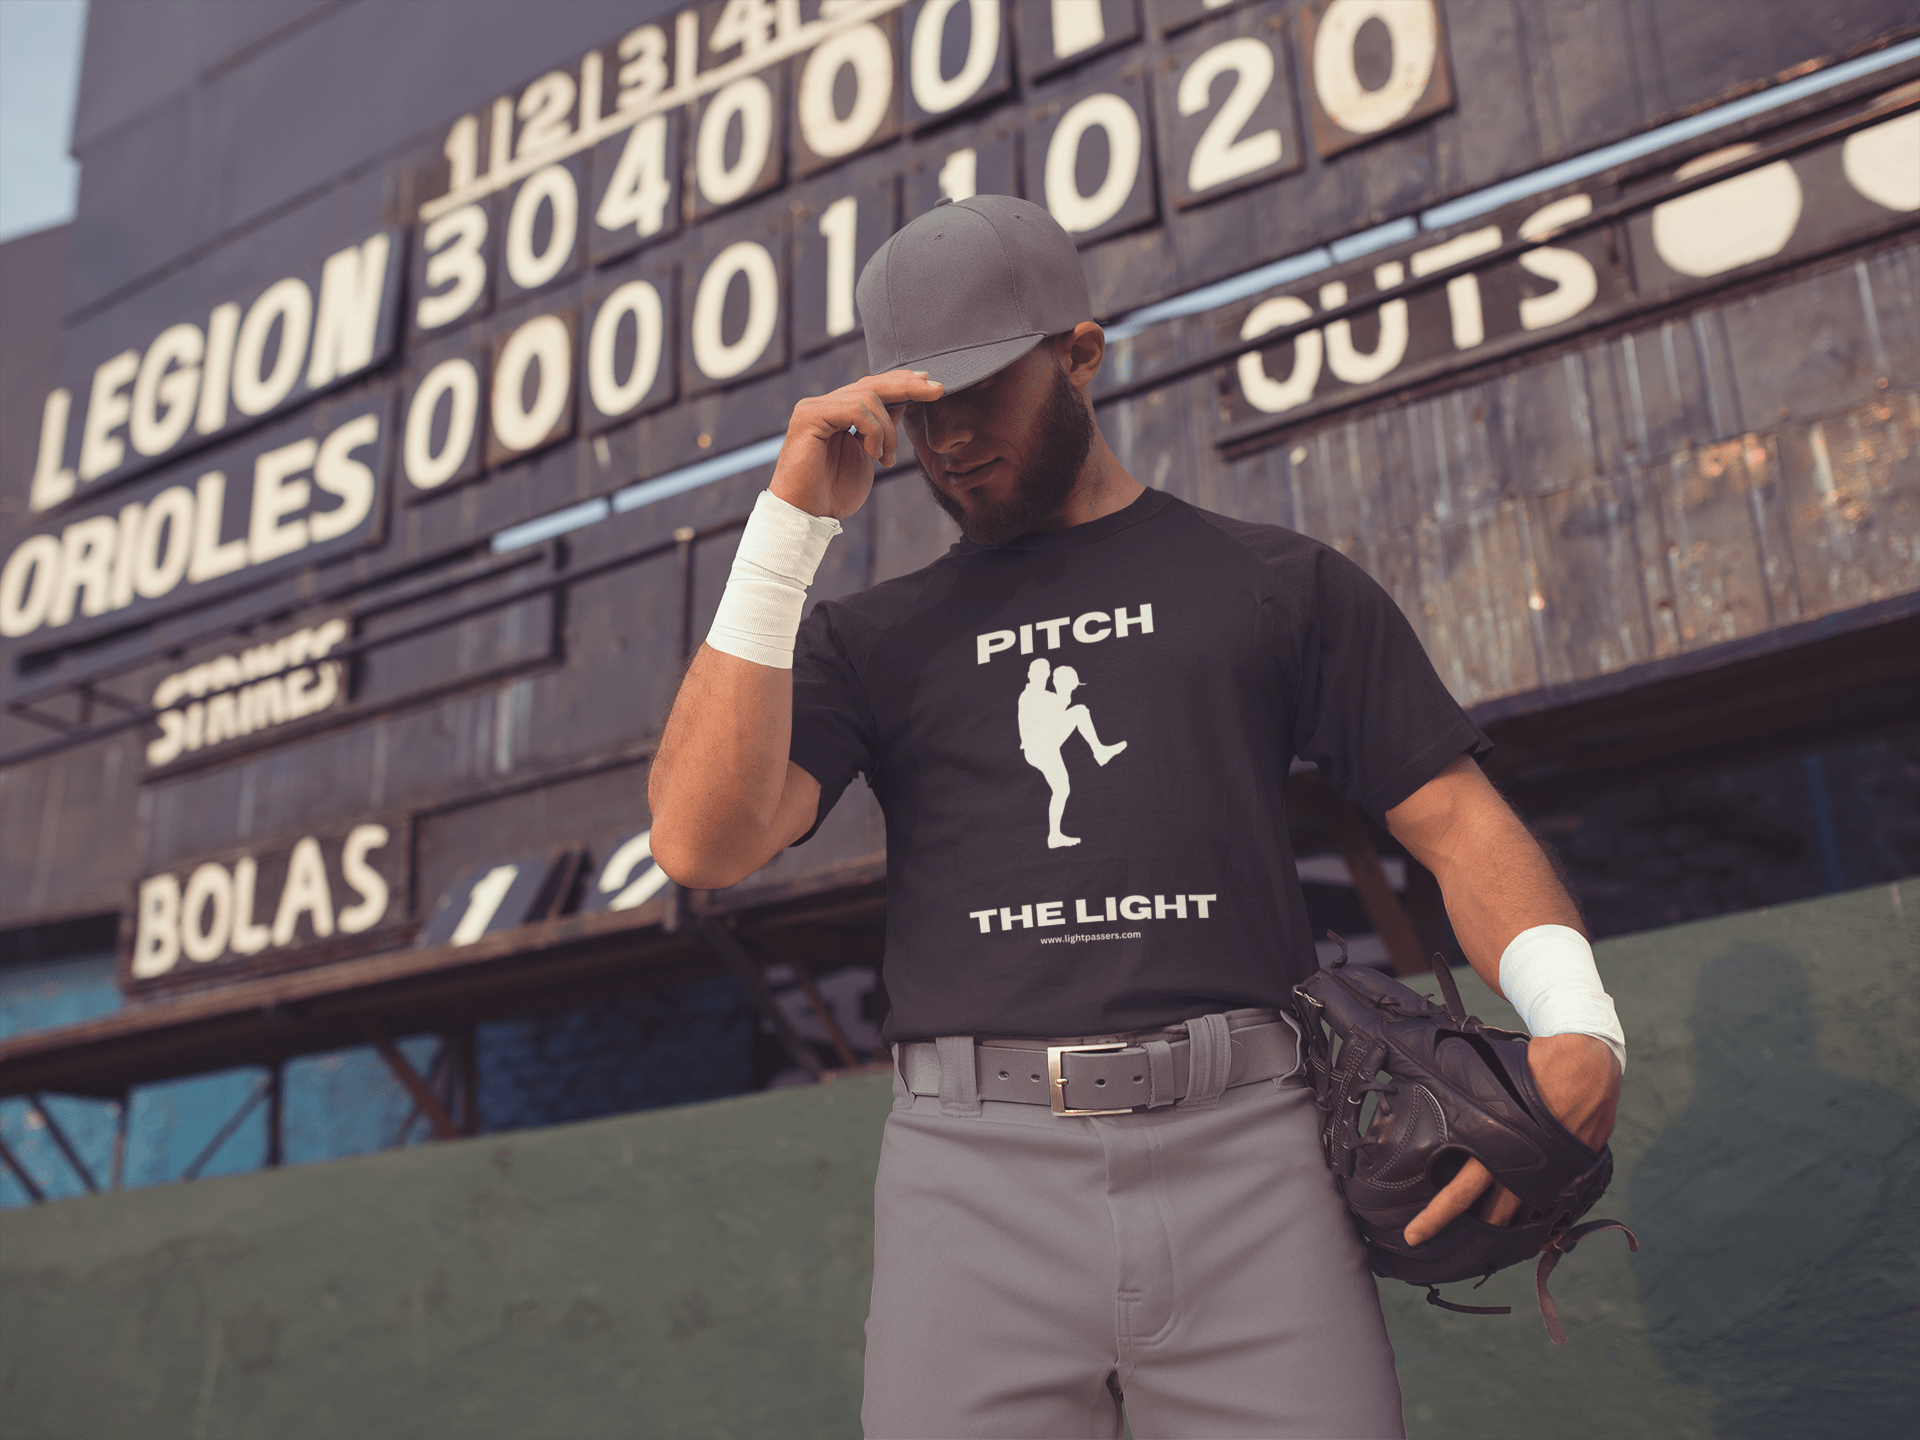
x: 837, y: 223
x: 482, y: 903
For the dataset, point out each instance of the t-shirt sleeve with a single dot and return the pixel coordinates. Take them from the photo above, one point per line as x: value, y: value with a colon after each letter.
x: 833, y: 732
x: 1369, y: 709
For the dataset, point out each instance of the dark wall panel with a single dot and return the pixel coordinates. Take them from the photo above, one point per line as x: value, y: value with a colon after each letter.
x: 221, y: 147
x: 1692, y: 457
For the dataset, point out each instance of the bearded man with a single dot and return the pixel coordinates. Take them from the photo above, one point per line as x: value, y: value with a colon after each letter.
x: 1101, y: 1181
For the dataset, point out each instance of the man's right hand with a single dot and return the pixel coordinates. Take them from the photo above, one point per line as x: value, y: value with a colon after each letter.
x: 826, y: 470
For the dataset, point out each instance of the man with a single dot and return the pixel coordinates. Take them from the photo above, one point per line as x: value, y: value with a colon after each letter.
x: 1101, y: 1177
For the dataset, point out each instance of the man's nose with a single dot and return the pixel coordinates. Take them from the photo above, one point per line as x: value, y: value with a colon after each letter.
x: 947, y: 425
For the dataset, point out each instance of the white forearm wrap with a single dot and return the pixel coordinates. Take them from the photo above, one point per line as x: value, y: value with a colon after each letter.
x: 759, y: 613
x: 1549, y: 977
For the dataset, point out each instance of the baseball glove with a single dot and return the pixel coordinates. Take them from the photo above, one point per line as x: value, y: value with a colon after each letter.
x: 1447, y: 1087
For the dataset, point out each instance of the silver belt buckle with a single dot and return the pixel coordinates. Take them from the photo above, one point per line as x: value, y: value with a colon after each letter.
x: 1057, y: 1082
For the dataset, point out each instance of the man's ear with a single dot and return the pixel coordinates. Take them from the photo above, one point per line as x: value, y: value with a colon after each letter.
x: 1080, y: 352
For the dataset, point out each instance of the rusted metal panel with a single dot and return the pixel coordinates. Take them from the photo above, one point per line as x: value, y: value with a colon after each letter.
x: 1593, y: 609
x: 1472, y: 570
x: 1853, y: 498
x: 70, y: 830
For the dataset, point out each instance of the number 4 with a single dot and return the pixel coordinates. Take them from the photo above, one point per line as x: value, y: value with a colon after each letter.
x: 639, y: 191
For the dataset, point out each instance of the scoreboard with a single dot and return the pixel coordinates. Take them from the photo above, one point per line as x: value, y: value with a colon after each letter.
x: 351, y: 566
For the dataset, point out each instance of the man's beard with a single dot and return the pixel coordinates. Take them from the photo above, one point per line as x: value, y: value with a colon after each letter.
x: 1065, y: 436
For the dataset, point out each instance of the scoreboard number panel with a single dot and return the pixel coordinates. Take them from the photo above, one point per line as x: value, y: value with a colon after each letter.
x: 443, y: 414
x: 629, y: 341
x: 540, y: 244
x: 846, y: 95
x: 492, y: 896
x: 837, y: 227
x: 1373, y: 67
x: 530, y: 388
x: 955, y: 55
x: 1057, y: 33
x: 739, y: 144
x: 624, y: 875
x: 1225, y: 109
x: 449, y: 278
x: 636, y: 180
x: 733, y: 295
x: 962, y: 162
x: 1089, y: 159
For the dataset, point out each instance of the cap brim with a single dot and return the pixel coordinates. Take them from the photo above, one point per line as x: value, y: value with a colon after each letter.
x: 957, y: 369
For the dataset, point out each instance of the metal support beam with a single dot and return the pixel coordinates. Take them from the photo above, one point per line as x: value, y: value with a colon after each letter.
x: 683, y: 539
x: 821, y: 1008
x: 729, y: 948
x: 122, y: 1123
x: 225, y: 1132
x: 466, y: 1071
x: 1344, y: 823
x: 410, y: 1080
x: 20, y: 1173
x: 1370, y: 883
x: 59, y: 1137
x: 437, y: 1082
x: 276, y: 1097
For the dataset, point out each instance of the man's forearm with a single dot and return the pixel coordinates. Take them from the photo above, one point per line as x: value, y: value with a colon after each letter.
x: 1494, y: 876
x: 720, y: 776
x: 1497, y: 882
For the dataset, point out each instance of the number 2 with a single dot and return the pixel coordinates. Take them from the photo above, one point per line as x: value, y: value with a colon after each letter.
x: 1222, y: 154
x: 546, y: 106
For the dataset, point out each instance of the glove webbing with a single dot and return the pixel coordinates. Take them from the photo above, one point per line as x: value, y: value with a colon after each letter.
x: 1556, y: 1247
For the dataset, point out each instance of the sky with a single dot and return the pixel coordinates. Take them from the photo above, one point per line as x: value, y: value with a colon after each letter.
x: 39, y: 77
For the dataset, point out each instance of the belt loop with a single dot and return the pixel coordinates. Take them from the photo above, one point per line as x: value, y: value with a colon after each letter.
x: 1209, y: 1059
x: 1299, y: 1047
x: 1160, y: 1087
x: 959, y: 1082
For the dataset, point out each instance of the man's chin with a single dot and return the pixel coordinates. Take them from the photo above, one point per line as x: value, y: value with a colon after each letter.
x: 985, y: 524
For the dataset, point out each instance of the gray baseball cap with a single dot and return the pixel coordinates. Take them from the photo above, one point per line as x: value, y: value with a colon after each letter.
x: 970, y: 287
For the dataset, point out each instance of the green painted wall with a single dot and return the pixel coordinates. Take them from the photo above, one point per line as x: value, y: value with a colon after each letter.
x: 703, y: 1271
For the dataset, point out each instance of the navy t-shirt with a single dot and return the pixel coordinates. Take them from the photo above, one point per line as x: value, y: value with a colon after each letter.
x: 1080, y: 741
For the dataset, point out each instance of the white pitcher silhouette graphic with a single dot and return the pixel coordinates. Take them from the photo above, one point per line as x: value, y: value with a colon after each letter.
x: 1047, y: 719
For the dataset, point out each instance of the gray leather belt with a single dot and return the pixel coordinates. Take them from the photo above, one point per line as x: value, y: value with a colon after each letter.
x: 1118, y: 1073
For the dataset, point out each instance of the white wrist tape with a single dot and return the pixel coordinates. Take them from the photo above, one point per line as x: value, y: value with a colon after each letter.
x: 1548, y: 975
x: 759, y: 613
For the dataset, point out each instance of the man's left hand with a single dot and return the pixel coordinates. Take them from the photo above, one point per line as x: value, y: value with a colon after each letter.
x: 1580, y: 1081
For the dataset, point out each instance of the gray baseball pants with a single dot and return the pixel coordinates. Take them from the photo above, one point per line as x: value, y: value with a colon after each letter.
x: 1031, y: 1269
